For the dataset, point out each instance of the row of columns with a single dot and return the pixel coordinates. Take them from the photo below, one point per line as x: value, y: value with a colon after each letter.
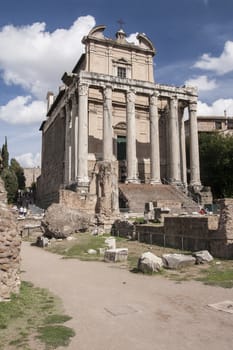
x: 76, y: 138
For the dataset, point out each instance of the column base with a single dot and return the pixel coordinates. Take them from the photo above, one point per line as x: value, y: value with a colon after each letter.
x: 83, y: 184
x: 175, y: 182
x: 132, y: 181
x: 155, y: 181
x: 195, y: 186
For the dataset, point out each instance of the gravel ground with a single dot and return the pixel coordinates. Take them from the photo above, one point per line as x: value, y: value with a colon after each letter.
x: 114, y: 309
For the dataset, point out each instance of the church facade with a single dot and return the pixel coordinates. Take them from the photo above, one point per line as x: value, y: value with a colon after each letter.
x: 111, y: 122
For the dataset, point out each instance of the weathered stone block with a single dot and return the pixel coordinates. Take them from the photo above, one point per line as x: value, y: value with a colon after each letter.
x: 114, y: 255
x: 110, y: 242
x: 177, y: 261
x: 149, y: 262
x: 203, y: 256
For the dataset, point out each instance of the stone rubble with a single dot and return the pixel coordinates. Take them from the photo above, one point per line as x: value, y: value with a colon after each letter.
x: 202, y: 257
x: 61, y: 221
x: 10, y: 243
x: 115, y: 255
x: 110, y: 242
x: 177, y: 261
x: 149, y: 262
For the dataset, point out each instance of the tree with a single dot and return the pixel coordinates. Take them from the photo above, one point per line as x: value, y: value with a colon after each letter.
x: 13, y: 175
x: 216, y: 163
x: 19, y: 172
x: 11, y: 184
x: 5, y: 155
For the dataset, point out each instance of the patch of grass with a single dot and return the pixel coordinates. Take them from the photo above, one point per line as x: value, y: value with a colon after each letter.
x: 217, y: 276
x: 57, y: 319
x: 79, y: 247
x: 55, y: 335
x: 139, y: 220
x: 22, y: 317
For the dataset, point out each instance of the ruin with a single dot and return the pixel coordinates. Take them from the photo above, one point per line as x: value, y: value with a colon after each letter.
x: 9, y: 250
x: 187, y: 232
x: 113, y: 129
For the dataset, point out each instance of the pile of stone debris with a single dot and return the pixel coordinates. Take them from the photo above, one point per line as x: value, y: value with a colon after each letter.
x: 149, y: 262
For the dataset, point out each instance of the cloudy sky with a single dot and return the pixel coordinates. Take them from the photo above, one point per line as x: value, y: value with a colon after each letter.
x: 40, y: 40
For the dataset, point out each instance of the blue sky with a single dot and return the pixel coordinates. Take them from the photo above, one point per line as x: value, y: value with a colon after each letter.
x: 40, y: 40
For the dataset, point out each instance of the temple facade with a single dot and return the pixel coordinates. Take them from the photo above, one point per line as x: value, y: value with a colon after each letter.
x: 111, y: 122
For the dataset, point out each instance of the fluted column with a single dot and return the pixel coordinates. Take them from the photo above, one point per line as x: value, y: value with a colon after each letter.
x: 82, y: 173
x: 182, y: 144
x: 174, y: 141
x: 68, y: 144
x: 131, y: 139
x: 107, y: 125
x: 74, y: 137
x: 154, y: 140
x: 194, y: 146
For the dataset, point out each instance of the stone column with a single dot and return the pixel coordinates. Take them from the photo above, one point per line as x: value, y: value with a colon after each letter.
x: 131, y: 139
x: 82, y: 173
x: 182, y: 144
x: 194, y: 146
x: 154, y: 140
x: 74, y: 136
x: 107, y: 125
x: 174, y: 149
x: 68, y: 144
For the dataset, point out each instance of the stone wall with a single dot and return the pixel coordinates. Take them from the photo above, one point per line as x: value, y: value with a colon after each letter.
x: 194, y: 233
x: 222, y: 239
x: 187, y: 233
x: 52, y: 177
x: 71, y: 199
x: 9, y: 250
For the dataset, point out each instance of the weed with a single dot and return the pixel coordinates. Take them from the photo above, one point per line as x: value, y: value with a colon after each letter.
x: 217, y: 277
x: 54, y: 336
x: 57, y: 319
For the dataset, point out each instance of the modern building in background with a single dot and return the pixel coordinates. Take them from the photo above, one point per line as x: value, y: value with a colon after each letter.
x: 222, y: 124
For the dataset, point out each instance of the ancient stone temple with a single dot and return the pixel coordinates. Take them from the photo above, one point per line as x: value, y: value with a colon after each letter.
x: 112, y: 123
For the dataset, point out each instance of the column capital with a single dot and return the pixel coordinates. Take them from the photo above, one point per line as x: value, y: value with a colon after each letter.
x: 174, y: 97
x: 154, y: 98
x: 193, y: 105
x: 131, y: 96
x: 155, y: 93
x: 83, y: 89
x: 107, y: 92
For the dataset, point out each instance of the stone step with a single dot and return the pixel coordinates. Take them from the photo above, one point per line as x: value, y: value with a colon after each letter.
x: 137, y: 195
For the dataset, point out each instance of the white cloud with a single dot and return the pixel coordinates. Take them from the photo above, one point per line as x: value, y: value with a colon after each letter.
x: 222, y: 64
x: 202, y: 83
x: 28, y: 160
x: 217, y: 108
x: 132, y: 38
x: 22, y: 110
x: 36, y: 59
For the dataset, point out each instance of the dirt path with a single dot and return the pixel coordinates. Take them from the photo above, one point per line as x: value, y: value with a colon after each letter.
x: 114, y: 309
